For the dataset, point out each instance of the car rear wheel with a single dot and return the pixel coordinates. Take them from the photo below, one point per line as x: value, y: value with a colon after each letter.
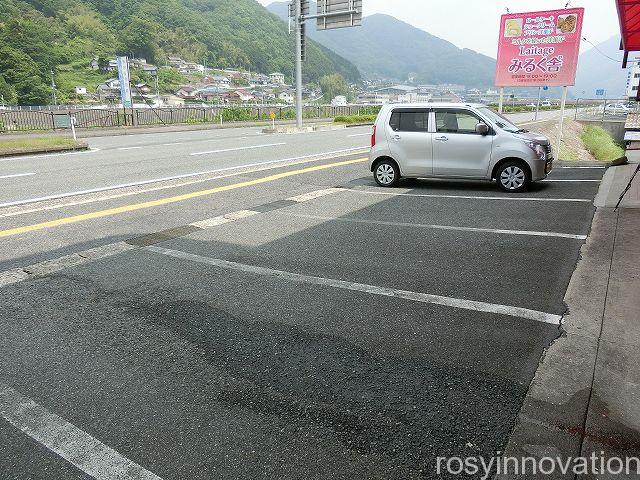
x: 386, y: 173
x: 513, y: 177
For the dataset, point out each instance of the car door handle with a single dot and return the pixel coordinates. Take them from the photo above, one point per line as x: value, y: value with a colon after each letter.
x: 396, y: 137
x: 442, y: 139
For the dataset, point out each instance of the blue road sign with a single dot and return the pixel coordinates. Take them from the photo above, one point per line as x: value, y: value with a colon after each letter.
x: 600, y: 92
x: 545, y: 88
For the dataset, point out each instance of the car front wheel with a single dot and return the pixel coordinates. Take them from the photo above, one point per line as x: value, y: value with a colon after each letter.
x: 386, y: 173
x: 513, y: 177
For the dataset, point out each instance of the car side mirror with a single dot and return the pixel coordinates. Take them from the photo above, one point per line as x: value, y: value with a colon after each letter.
x: 482, y: 129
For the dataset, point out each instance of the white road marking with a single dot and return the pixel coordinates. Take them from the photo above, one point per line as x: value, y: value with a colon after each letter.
x: 76, y: 446
x: 360, y: 287
x: 129, y: 148
x: 253, y: 147
x: 572, y: 181
x: 224, y: 219
x: 305, y: 197
x: 472, y: 197
x: 359, y: 135
x: 17, y: 275
x: 267, y: 166
x: 49, y: 155
x: 171, y: 144
x: 16, y: 175
x: 440, y: 227
x: 581, y: 168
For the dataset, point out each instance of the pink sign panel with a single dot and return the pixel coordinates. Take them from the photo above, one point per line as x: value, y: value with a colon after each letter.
x: 539, y: 49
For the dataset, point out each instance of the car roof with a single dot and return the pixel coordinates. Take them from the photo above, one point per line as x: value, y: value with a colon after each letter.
x: 435, y: 105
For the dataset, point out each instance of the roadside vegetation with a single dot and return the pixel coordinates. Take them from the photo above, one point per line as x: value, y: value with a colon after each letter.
x: 13, y: 146
x: 601, y: 144
x: 353, y: 119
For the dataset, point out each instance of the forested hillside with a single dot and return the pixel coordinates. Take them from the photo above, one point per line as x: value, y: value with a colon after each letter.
x: 38, y: 36
x: 386, y: 47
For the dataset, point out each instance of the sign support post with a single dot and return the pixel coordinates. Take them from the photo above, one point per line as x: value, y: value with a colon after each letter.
x: 298, y: 34
x: 538, y: 105
x: 501, y: 103
x: 563, y: 104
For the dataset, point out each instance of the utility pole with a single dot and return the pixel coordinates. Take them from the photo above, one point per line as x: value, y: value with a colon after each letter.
x: 298, y: 33
x: 53, y: 90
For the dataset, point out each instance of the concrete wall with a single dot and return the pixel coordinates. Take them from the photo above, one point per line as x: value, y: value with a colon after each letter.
x: 614, y: 127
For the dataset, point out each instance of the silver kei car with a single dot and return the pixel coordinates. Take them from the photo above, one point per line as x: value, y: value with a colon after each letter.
x: 456, y: 141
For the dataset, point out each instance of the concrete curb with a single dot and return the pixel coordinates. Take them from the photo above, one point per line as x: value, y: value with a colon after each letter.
x: 554, y: 414
x: 79, y: 148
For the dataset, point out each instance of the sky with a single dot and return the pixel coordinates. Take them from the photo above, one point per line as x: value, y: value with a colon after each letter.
x: 474, y: 23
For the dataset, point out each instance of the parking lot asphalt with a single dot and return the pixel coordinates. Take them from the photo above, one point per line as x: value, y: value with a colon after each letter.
x: 356, y: 332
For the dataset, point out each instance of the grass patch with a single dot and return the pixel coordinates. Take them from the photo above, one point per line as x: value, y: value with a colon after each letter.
x: 351, y: 119
x: 12, y: 146
x: 601, y: 144
x: 568, y: 153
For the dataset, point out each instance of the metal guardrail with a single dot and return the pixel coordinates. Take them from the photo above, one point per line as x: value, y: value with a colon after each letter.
x: 30, y: 120
x: 605, y: 110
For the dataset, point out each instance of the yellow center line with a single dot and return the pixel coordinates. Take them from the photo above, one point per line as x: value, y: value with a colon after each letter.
x: 168, y: 200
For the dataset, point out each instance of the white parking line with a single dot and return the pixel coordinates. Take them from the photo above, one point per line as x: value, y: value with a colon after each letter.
x: 171, y: 144
x: 359, y: 135
x: 572, y: 181
x: 129, y: 148
x: 473, y: 197
x: 364, y: 288
x: 439, y: 227
x: 76, y: 446
x: 16, y: 175
x: 253, y: 147
x: 582, y: 168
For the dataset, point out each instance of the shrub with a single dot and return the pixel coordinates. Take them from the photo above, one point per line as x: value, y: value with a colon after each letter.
x: 601, y: 144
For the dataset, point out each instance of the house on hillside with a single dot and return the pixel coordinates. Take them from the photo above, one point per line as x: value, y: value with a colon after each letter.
x: 80, y: 90
x: 286, y: 97
x: 277, y: 78
x: 239, y: 96
x: 187, y: 92
x: 109, y: 90
x: 212, y: 94
x: 220, y: 81
x: 141, y: 89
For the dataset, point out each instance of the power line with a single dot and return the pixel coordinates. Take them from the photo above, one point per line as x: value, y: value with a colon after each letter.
x: 600, y: 51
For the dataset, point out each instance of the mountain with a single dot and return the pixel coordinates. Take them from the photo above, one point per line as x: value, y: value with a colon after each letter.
x: 37, y: 36
x: 596, y: 71
x: 385, y: 47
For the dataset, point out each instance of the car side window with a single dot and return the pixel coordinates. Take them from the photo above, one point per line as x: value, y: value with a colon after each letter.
x: 456, y: 121
x: 409, y: 121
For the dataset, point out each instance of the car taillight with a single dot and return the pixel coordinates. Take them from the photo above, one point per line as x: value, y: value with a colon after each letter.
x: 373, y: 137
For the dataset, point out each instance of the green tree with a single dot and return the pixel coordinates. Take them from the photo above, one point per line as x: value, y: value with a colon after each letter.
x: 22, y: 73
x: 8, y: 94
x: 140, y: 39
x: 333, y: 85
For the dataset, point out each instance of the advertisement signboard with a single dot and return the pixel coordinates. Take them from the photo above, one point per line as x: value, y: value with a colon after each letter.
x: 539, y: 49
x: 123, y: 77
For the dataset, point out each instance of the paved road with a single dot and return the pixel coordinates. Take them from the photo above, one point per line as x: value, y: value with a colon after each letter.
x: 295, y: 321
x: 139, y: 159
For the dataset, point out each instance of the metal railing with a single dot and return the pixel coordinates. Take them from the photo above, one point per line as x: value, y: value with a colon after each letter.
x: 15, y: 120
x: 605, y: 110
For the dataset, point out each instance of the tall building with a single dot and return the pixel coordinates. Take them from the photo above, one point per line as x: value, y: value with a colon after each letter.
x: 633, y: 78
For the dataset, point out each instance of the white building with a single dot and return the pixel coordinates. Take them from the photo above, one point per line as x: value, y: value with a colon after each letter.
x: 277, y: 78
x: 81, y: 90
x: 633, y: 78
x: 339, y: 101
